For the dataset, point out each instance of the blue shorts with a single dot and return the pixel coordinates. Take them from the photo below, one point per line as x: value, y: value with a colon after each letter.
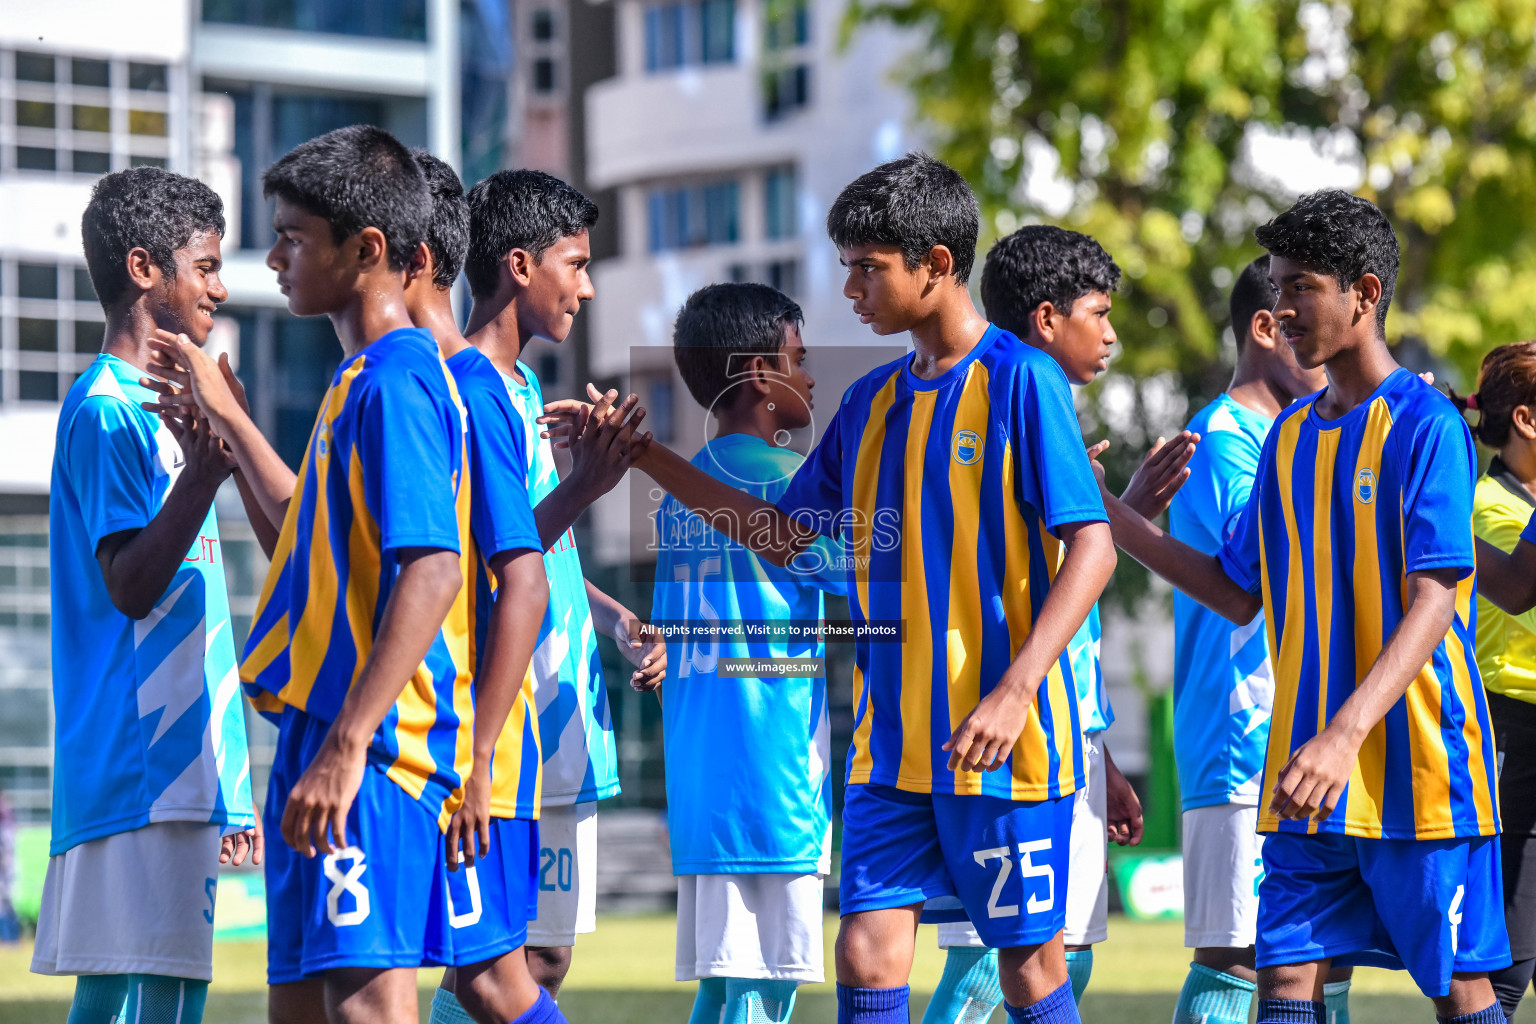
x: 1430, y: 906
x: 491, y: 901
x: 1000, y: 863
x: 376, y: 903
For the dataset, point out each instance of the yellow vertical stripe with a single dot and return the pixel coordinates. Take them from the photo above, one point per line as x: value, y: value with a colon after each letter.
x: 1055, y: 691
x: 1031, y: 749
x: 1472, y: 731
x: 1368, y: 779
x: 964, y: 633
x: 1286, y: 653
x: 917, y: 690
x: 866, y: 480
x: 1322, y: 567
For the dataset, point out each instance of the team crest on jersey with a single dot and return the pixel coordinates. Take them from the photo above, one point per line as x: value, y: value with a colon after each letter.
x: 323, y: 441
x: 967, y: 447
x: 1365, y: 486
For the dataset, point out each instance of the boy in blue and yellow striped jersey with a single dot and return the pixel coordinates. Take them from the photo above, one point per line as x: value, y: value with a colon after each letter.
x: 955, y: 477
x: 492, y: 899
x: 1381, y: 823
x: 360, y: 646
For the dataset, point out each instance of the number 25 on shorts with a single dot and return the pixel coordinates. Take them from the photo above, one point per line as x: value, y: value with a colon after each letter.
x: 1027, y: 869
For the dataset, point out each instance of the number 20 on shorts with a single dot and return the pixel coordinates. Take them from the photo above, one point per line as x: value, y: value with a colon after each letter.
x: 561, y: 864
x: 1027, y: 869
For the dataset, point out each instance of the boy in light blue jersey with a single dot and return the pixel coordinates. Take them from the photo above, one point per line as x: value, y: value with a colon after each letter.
x: 1052, y: 288
x: 527, y: 271
x: 152, y: 787
x: 750, y: 835
x: 953, y: 478
x: 1223, y: 686
x: 1378, y: 803
x: 495, y: 833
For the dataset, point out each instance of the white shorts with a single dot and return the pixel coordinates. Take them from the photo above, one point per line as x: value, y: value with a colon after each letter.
x: 567, y: 875
x: 1087, y: 883
x: 1222, y: 868
x: 750, y: 926
x: 138, y: 902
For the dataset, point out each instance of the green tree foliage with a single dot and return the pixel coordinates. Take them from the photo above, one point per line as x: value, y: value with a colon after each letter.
x: 1161, y: 116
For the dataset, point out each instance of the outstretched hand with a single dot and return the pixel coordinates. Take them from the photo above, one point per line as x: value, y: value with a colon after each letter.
x: 201, y: 381
x: 642, y: 645
x: 1160, y: 475
x: 604, y: 443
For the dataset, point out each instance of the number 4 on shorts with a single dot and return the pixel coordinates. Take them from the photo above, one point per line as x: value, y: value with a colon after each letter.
x: 1027, y: 869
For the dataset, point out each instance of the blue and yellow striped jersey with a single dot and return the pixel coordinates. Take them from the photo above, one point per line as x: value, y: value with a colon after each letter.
x: 947, y: 493
x: 1341, y: 512
x: 500, y: 520
x: 382, y: 472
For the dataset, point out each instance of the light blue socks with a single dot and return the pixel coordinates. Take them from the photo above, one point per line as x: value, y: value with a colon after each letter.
x: 969, y: 989
x: 1210, y: 996
x: 446, y: 1009
x: 99, y: 998
x: 708, y: 1004
x: 1079, y: 970
x: 1336, y: 1002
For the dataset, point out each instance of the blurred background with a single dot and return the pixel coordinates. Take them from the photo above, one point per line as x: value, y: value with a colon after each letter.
x: 714, y: 134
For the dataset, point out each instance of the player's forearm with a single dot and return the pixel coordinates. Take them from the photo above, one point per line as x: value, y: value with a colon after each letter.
x: 266, y: 533
x: 422, y: 596
x: 139, y: 569
x: 559, y: 511
x: 1427, y: 619
x: 1085, y: 570
x: 266, y: 474
x: 746, y: 519
x: 1508, y: 580
x: 608, y: 613
x: 1195, y: 573
x: 522, y: 594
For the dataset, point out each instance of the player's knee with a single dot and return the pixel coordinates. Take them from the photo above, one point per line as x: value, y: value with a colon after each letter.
x: 867, y: 958
x: 1289, y: 981
x: 549, y: 965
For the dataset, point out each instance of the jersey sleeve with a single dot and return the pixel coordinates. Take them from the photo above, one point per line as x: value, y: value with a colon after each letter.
x: 1240, y: 555
x: 410, y: 440
x: 1528, y: 534
x: 500, y: 515
x: 1221, y: 477
x: 1504, y: 527
x: 109, y: 462
x: 1438, y: 473
x: 1053, y: 466
x: 815, y: 494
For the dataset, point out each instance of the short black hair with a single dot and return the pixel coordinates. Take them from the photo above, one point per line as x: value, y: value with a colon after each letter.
x: 916, y: 203
x: 527, y: 210
x: 448, y: 231
x: 1040, y: 263
x: 143, y: 208
x: 1333, y: 232
x: 357, y: 177
x: 723, y: 320
x: 1251, y: 293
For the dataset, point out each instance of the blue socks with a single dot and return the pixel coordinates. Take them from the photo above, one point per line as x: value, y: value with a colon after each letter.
x: 99, y: 998
x: 969, y: 989
x: 708, y: 1005
x: 758, y: 1001
x: 1492, y: 1015
x: 156, y: 999
x: 1056, y: 1008
x: 1210, y: 996
x: 1336, y: 1002
x: 872, y: 1005
x: 1079, y: 970
x: 1289, y: 1011
x: 446, y: 1009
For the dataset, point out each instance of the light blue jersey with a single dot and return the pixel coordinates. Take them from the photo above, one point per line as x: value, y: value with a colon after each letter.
x: 748, y: 783
x: 575, y: 723
x: 148, y: 723
x: 1222, y: 685
x: 1088, y: 673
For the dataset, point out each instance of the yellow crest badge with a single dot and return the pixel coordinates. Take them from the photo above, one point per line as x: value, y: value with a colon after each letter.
x: 1365, y: 486
x: 967, y: 447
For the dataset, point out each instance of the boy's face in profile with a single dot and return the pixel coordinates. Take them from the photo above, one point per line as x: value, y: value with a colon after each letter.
x: 185, y: 303
x: 1317, y: 318
x: 1081, y: 340
x: 315, y: 274
x: 886, y: 295
x: 557, y: 285
x: 789, y: 389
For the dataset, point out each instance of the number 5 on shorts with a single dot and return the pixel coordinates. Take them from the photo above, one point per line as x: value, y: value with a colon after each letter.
x: 1027, y: 869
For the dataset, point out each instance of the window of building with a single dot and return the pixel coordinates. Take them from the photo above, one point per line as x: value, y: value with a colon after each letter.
x: 781, y: 274
x: 387, y: 19
x: 50, y: 328
x: 786, y: 63
x: 683, y: 33
x: 779, y: 198
x: 77, y: 115
x: 544, y: 75
x: 545, y: 50
x: 684, y: 217
x: 543, y: 25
